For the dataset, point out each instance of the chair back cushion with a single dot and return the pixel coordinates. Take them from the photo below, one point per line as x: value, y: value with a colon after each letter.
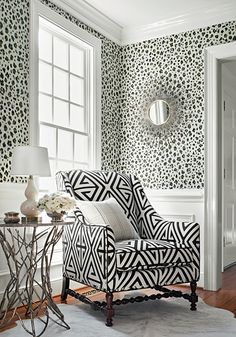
x: 108, y: 212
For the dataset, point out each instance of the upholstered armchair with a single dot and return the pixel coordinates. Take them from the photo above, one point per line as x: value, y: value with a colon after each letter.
x: 161, y: 252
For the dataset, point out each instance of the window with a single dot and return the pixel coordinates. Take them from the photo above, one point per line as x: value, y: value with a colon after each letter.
x: 67, y: 94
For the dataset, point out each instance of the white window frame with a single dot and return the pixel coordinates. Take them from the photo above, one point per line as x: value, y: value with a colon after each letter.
x: 40, y: 10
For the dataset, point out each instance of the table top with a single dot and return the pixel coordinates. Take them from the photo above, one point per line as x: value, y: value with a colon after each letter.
x: 46, y: 221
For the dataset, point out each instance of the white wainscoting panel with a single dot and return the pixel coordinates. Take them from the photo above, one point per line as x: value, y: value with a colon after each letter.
x: 11, y: 197
x: 185, y: 205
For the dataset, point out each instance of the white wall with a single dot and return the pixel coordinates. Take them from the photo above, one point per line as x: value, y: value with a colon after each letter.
x: 186, y: 205
x: 11, y: 196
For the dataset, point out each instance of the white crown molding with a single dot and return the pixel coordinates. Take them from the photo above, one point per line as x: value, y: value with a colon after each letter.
x: 92, y: 17
x: 179, y: 24
x: 128, y: 35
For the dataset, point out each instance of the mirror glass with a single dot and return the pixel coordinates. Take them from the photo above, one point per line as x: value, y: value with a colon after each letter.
x: 159, y: 112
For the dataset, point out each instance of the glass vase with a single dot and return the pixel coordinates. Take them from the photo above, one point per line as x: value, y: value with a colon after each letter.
x: 56, y: 217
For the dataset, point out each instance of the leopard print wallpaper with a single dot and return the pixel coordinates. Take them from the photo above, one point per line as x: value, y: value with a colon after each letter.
x: 14, y: 85
x: 171, y: 156
x: 14, y: 79
x: 133, y: 75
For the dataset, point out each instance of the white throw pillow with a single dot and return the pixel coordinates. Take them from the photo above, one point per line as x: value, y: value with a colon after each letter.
x: 108, y: 212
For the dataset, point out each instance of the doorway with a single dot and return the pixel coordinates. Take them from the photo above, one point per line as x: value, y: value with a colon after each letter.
x: 214, y: 56
x: 228, y: 113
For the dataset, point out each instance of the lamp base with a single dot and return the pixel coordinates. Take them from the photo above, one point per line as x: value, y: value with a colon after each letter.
x: 29, y: 207
x: 30, y: 219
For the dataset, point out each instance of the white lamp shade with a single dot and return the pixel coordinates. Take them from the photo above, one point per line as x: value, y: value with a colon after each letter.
x: 30, y: 160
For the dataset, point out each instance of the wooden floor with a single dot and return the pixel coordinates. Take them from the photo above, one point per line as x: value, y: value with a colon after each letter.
x: 224, y: 298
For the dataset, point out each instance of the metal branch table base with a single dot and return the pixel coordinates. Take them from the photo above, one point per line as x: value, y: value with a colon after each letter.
x: 28, y: 253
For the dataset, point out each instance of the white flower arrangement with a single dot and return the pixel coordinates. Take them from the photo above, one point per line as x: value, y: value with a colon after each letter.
x: 56, y: 202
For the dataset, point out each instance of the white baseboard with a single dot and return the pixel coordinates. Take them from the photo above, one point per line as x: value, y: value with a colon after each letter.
x: 201, y: 280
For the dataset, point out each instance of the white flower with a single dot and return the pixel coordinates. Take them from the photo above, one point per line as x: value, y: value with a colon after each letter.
x: 56, y: 202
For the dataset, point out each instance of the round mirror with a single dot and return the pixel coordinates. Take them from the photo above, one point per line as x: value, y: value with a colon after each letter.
x: 159, y: 112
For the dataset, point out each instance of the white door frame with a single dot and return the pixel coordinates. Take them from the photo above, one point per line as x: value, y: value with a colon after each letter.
x: 213, y: 170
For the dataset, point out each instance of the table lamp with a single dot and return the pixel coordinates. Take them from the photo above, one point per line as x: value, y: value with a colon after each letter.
x: 30, y: 160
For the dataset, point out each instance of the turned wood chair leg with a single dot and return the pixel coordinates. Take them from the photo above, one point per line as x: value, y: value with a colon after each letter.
x: 193, y: 296
x: 109, y: 309
x: 65, y: 286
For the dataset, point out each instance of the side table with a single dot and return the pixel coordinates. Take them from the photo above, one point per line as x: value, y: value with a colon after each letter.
x: 28, y: 248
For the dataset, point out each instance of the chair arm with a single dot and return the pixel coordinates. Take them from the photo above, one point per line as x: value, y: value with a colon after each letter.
x: 152, y: 226
x: 186, y: 233
x: 93, y: 247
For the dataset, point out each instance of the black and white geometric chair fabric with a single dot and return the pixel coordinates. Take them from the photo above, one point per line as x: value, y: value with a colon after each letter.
x: 167, y: 252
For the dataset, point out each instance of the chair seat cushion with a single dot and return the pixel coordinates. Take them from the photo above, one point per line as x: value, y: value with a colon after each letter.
x: 146, y: 254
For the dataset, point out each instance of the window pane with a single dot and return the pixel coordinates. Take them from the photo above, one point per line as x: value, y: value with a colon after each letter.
x: 60, y: 83
x: 77, y: 118
x: 45, y: 46
x: 65, y: 85
x: 48, y: 183
x: 45, y: 108
x: 81, y: 166
x: 64, y: 165
x: 65, y: 145
x: 76, y: 61
x: 81, y: 148
x: 61, y: 113
x: 48, y: 139
x: 60, y: 53
x: 53, y: 167
x: 45, y: 78
x: 76, y: 90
